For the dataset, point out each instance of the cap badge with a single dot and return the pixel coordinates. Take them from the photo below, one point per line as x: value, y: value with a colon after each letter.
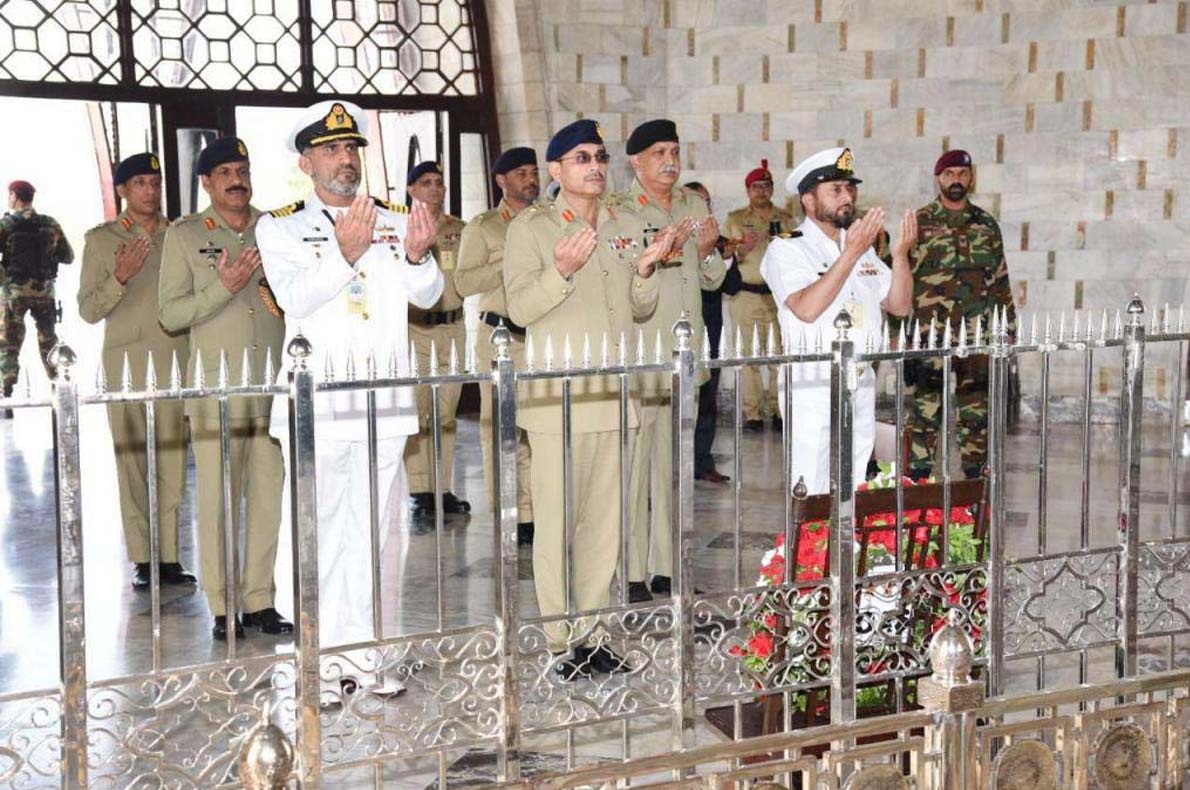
x: 153, y: 163
x: 598, y: 131
x: 338, y: 118
x: 240, y: 147
x: 845, y: 161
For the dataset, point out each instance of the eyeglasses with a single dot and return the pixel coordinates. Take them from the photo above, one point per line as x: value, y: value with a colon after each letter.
x: 584, y: 158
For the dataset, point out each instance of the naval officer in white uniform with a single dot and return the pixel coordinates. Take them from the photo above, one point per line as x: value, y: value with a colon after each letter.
x: 344, y: 268
x: 825, y: 266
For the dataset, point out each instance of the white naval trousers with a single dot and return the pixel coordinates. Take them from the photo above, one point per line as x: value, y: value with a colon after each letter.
x: 345, y: 532
x: 810, y: 447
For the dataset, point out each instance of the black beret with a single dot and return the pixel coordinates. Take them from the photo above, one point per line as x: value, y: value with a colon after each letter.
x: 136, y: 165
x: 660, y: 130
x: 574, y: 134
x: 512, y: 159
x: 420, y: 169
x: 221, y: 151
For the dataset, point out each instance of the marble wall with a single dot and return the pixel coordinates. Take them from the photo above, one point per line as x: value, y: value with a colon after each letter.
x: 1077, y: 113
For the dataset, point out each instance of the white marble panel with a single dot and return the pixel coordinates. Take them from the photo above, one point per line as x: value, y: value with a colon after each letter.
x: 792, y: 13
x: 577, y: 97
x: 740, y: 129
x: 1062, y: 55
x: 894, y: 123
x: 768, y: 97
x: 1155, y: 19
x: 601, y: 68
x: 1024, y: 148
x: 1162, y: 174
x: 574, y: 37
x: 1064, y: 117
x: 1004, y: 60
x: 981, y: 119
x: 1027, y: 265
x: 742, y: 67
x: 730, y: 13
x: 1154, y: 235
x: 1048, y: 295
x: 1072, y: 265
x: 792, y: 125
x: 931, y: 91
x: 1068, y: 205
x: 1072, y: 23
x: 1139, y: 204
x: 900, y: 63
x: 692, y: 127
x: 976, y: 30
x: 1142, y: 144
x: 758, y: 39
x: 1103, y: 174
x: 1054, y: 234
x: 841, y: 68
x: 737, y: 156
x: 623, y: 39
x: 625, y: 98
x: 563, y: 67
x: 689, y: 71
x: 692, y: 13
x: 842, y: 123
x: 649, y: 71
x: 1025, y: 88
x: 709, y: 99
x: 822, y: 38
x: 1114, y: 53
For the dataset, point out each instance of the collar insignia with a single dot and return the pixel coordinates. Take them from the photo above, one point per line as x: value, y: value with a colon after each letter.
x: 125, y: 223
x: 643, y: 199
x: 505, y: 215
x: 567, y: 215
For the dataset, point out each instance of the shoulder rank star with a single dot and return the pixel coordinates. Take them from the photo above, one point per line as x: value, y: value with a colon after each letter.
x: 209, y: 223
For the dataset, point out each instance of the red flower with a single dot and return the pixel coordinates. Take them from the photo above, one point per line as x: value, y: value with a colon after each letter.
x: 736, y: 651
x: 761, y: 644
x: 771, y: 621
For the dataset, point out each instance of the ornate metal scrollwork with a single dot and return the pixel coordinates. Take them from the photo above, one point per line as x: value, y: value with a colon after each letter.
x: 1025, y: 765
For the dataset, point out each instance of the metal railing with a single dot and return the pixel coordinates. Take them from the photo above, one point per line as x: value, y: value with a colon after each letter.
x: 490, y: 683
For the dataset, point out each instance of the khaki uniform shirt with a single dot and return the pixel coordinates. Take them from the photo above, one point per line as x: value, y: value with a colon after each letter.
x: 446, y: 252
x: 682, y: 278
x: 191, y: 296
x: 131, y: 308
x: 481, y: 259
x: 745, y: 219
x: 600, y: 299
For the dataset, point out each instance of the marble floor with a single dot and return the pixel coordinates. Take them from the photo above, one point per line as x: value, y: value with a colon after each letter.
x: 118, y: 622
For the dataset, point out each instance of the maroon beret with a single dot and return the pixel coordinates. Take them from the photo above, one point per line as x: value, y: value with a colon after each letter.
x: 954, y: 158
x: 23, y: 190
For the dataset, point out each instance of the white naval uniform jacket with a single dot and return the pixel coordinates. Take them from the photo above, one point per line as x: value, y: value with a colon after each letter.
x: 346, y: 310
x: 790, y: 265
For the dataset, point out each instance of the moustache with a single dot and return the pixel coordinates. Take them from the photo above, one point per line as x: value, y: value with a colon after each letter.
x: 237, y: 189
x: 595, y: 177
x: 669, y: 170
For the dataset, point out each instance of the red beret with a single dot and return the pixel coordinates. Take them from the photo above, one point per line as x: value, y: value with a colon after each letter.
x: 23, y: 190
x: 954, y: 158
x: 759, y: 174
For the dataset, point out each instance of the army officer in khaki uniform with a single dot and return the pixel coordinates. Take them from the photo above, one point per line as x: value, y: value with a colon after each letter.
x: 481, y: 271
x: 752, y: 308
x: 694, y: 265
x: 118, y: 282
x: 438, y: 327
x: 212, y: 284
x: 578, y: 268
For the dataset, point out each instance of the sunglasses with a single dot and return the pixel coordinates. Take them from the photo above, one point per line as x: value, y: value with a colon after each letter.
x: 584, y: 158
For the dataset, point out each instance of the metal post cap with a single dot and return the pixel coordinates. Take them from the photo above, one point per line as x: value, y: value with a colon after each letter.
x: 683, y: 331
x: 61, y: 358
x: 843, y: 323
x: 501, y: 339
x: 266, y: 758
x: 1136, y: 309
x: 950, y: 653
x: 299, y: 347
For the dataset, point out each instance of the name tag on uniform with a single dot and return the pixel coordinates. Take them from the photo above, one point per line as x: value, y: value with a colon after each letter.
x: 446, y: 261
x: 357, y: 298
x: 856, y: 311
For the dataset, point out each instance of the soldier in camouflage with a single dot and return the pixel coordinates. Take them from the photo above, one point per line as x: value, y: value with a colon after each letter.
x: 31, y: 247
x: 959, y: 273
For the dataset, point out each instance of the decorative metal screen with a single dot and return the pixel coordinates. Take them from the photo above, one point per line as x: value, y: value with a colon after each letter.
x: 48, y: 41
x: 379, y: 47
x: 394, y: 47
x: 218, y: 44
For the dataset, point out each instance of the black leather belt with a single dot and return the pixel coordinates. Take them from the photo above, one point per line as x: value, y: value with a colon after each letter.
x: 756, y: 289
x: 432, y: 318
x: 495, y: 319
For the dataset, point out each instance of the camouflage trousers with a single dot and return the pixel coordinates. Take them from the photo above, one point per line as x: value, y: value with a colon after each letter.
x: 970, y: 377
x: 16, y: 303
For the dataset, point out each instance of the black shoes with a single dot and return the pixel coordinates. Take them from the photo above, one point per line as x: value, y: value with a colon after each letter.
x: 661, y: 585
x: 141, y: 578
x: 174, y: 573
x: 269, y: 621
x: 524, y: 533
x: 423, y: 504
x: 638, y: 592
x: 170, y: 573
x: 753, y: 426
x: 5, y: 414
x: 777, y: 424
x: 219, y: 631
x: 712, y: 476
x: 588, y: 661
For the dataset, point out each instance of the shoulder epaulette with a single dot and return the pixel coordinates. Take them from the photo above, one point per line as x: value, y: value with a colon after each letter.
x: 789, y: 234
x: 285, y: 211
x: 396, y: 208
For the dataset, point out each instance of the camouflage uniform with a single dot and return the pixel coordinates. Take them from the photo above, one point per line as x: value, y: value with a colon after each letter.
x: 959, y: 270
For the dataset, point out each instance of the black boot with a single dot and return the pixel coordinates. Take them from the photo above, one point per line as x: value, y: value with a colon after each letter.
x: 174, y: 573
x: 141, y: 577
x: 524, y: 533
x: 219, y: 631
x: 269, y: 621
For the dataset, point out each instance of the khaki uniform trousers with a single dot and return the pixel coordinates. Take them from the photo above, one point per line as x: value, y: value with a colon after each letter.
x: 650, y: 548
x: 419, y: 450
x: 483, y: 358
x: 595, y: 551
x: 257, y: 475
x: 128, y: 424
x: 757, y: 311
